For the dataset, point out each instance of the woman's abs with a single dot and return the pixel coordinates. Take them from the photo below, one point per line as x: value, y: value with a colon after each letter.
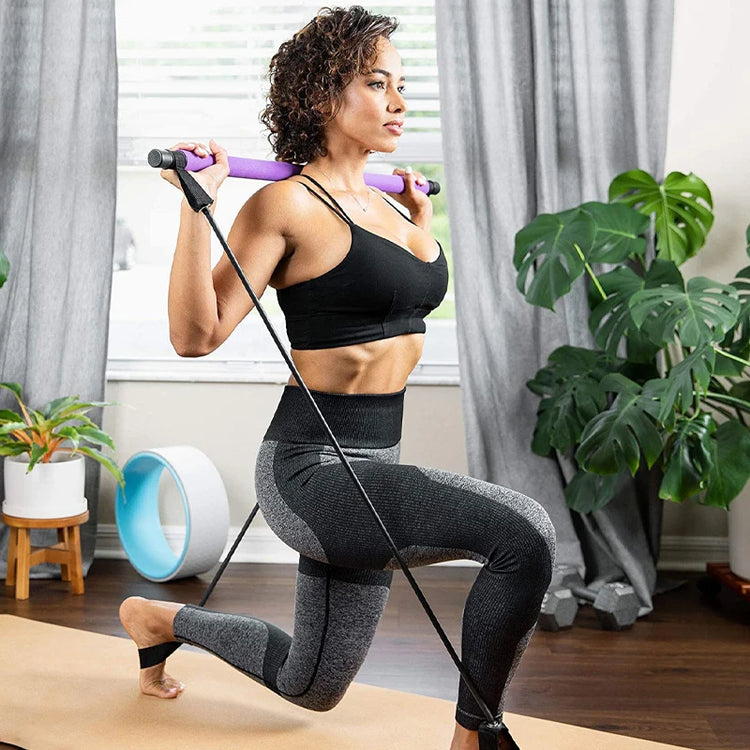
x: 374, y: 367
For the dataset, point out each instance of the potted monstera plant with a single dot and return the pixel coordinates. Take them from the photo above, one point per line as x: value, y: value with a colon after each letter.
x: 667, y: 385
x: 44, y: 453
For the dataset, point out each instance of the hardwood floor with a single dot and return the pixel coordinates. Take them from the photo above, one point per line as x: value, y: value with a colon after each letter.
x: 680, y: 676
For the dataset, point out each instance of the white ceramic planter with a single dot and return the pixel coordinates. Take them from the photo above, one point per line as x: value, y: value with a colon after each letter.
x: 739, y: 535
x: 51, y: 490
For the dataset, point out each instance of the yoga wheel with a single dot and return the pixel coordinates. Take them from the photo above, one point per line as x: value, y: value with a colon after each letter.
x: 204, y: 501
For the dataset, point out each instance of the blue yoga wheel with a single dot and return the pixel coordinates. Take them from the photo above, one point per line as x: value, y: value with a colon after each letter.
x: 204, y: 501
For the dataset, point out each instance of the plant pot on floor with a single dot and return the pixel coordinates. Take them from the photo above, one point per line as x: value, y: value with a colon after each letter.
x: 739, y: 536
x: 51, y: 490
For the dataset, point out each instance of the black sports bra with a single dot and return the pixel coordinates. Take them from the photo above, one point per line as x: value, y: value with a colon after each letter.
x: 379, y: 290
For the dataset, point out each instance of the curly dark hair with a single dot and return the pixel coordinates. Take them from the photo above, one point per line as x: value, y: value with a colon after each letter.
x: 309, y: 73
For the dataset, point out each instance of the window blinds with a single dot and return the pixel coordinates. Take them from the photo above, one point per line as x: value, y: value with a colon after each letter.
x: 190, y: 70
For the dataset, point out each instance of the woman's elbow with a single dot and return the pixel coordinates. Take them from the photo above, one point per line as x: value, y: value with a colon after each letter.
x: 190, y: 346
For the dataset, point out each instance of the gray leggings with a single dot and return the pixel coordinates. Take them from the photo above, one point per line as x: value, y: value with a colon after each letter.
x: 345, y: 566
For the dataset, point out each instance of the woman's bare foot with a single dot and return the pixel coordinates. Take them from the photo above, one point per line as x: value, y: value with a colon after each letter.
x: 149, y: 623
x: 464, y: 739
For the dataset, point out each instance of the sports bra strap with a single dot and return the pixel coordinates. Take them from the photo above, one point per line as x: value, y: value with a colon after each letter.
x: 337, y: 210
x: 342, y: 214
x: 403, y: 216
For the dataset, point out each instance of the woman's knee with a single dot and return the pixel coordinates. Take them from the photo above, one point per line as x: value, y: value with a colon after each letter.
x: 321, y: 699
x: 527, y: 550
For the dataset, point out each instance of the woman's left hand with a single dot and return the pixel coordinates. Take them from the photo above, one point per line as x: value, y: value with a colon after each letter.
x: 419, y: 205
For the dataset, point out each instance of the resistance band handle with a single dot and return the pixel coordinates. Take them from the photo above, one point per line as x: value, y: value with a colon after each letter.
x: 272, y: 171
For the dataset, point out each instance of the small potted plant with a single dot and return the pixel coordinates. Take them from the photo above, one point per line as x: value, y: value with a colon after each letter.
x: 44, y: 455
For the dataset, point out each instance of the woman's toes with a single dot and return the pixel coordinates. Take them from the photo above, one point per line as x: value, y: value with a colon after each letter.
x: 160, y: 685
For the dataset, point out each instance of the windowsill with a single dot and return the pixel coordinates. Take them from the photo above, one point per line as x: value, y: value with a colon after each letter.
x: 244, y: 371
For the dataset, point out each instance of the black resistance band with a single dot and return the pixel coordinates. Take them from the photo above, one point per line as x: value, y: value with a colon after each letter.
x: 491, y: 730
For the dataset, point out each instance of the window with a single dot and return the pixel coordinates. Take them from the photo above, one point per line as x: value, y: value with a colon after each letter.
x: 198, y: 71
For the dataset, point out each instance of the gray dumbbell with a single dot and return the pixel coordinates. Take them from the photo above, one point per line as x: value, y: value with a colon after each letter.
x: 559, y: 609
x: 616, y: 604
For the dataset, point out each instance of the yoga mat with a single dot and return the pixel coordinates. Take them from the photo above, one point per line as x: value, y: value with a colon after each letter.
x: 64, y: 688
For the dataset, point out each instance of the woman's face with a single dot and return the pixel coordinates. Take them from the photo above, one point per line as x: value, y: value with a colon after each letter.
x: 369, y: 104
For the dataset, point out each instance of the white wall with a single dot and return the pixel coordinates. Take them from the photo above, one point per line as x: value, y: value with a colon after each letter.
x: 708, y: 134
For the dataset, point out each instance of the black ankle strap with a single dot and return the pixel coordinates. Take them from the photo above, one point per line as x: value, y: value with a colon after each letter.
x: 154, y: 655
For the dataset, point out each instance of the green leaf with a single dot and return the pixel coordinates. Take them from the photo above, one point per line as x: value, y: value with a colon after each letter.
x: 612, y: 319
x: 13, y: 448
x: 741, y: 390
x: 71, y: 433
x: 37, y: 451
x: 106, y: 462
x: 9, y: 427
x: 731, y: 464
x: 10, y: 416
x: 15, y: 388
x: 589, y: 492
x: 690, y: 460
x: 702, y: 313
x: 548, y: 246
x: 95, y: 435
x: 614, y: 439
x: 571, y: 383
x: 4, y: 267
x: 737, y: 341
x: 618, y: 230
x: 691, y: 374
x: 53, y: 408
x: 682, y: 221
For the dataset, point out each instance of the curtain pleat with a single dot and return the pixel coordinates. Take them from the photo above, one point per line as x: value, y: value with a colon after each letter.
x: 58, y: 158
x: 542, y: 103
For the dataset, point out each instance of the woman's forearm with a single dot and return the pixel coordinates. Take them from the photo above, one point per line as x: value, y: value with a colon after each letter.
x: 192, y: 308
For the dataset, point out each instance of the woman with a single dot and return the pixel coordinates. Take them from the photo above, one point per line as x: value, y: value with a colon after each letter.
x: 355, y: 279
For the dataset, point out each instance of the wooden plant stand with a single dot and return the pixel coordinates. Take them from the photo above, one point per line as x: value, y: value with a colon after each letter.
x: 21, y: 555
x: 721, y: 575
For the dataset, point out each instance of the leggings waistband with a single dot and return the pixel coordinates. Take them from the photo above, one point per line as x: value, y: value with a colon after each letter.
x: 357, y: 420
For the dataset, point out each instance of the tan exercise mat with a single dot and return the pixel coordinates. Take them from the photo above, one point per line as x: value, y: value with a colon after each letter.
x: 66, y: 688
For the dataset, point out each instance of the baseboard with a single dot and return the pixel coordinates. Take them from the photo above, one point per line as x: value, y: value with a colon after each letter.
x: 687, y: 553
x: 261, y: 545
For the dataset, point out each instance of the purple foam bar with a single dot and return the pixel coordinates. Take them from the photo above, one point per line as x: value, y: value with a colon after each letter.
x: 259, y: 169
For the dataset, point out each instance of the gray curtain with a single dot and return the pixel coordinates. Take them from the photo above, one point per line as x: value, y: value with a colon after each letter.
x: 58, y: 154
x: 543, y: 102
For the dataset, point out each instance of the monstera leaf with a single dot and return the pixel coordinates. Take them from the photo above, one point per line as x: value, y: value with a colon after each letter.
x: 703, y: 312
x: 549, y: 245
x: 681, y: 220
x: 702, y: 457
x: 4, y: 268
x: 572, y: 384
x: 691, y: 374
x: 618, y: 232
x: 689, y: 462
x: 741, y: 391
x: 731, y: 464
x: 558, y: 246
x: 611, y: 319
x: 737, y: 341
x: 613, y: 441
x: 588, y: 492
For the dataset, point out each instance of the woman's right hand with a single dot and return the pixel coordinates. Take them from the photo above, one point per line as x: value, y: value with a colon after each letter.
x: 209, y: 178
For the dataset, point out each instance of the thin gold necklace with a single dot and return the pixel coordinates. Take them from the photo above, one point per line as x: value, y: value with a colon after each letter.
x: 354, y: 195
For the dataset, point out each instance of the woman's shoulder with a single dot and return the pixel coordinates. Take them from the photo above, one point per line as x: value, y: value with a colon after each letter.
x: 282, y: 203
